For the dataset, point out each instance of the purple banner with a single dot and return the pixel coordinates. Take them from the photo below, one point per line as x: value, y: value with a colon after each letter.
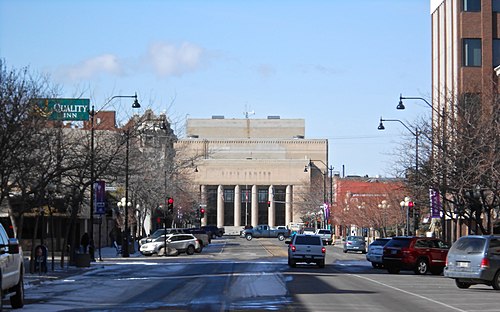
x: 435, y: 203
x: 99, y: 197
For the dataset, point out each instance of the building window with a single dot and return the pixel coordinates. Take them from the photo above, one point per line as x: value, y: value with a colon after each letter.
x: 495, y: 6
x: 472, y: 52
x: 472, y: 5
x: 263, y: 196
x: 228, y: 196
x: 496, y: 52
x: 246, y: 196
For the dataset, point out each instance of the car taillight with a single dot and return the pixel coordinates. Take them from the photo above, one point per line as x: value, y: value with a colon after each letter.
x: 405, y: 250
x: 485, y: 263
x: 293, y: 248
x: 323, y: 249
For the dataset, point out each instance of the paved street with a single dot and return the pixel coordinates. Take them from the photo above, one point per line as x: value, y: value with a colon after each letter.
x: 236, y: 274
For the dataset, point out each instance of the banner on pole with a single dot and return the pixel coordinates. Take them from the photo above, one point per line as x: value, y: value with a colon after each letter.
x: 99, y: 197
x: 435, y: 203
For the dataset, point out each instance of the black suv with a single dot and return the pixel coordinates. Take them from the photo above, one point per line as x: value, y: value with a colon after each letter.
x: 420, y: 254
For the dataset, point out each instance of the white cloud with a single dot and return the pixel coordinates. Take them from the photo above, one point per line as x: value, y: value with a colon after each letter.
x: 167, y: 59
x: 106, y: 63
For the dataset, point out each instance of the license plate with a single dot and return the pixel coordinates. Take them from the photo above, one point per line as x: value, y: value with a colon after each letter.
x: 463, y: 264
x: 394, y: 252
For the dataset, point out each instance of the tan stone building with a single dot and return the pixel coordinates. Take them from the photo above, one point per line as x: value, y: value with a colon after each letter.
x: 252, y: 171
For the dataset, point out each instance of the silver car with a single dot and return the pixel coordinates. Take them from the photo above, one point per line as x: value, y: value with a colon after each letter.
x: 355, y: 243
x: 175, y: 242
x: 375, y: 252
x: 474, y: 259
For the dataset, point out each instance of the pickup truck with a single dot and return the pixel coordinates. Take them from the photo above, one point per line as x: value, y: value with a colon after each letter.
x: 306, y: 248
x: 326, y: 236
x: 11, y: 270
x: 265, y: 231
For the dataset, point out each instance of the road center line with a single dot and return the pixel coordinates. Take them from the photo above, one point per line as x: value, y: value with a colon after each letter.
x: 409, y: 293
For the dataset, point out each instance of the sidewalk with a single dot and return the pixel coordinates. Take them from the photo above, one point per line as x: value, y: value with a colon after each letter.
x: 36, y: 278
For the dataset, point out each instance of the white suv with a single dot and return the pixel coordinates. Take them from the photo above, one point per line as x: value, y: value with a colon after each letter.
x: 11, y: 270
x: 306, y: 248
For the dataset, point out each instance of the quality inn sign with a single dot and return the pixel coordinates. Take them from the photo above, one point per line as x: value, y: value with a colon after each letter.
x: 63, y: 109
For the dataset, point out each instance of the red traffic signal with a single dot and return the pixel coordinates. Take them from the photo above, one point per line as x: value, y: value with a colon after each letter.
x: 410, y: 207
x: 202, y: 212
x: 170, y: 204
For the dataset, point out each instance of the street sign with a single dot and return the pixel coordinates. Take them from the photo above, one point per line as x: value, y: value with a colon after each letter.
x: 63, y: 109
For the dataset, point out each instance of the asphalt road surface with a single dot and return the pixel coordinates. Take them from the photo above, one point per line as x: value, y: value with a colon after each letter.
x: 234, y: 274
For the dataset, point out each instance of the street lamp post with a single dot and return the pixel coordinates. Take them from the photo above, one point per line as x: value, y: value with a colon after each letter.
x: 405, y: 205
x: 442, y: 115
x: 125, y: 204
x: 416, y: 134
x: 325, y: 174
x: 92, y: 174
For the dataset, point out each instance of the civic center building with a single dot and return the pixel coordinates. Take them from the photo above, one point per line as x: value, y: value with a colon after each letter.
x: 253, y: 171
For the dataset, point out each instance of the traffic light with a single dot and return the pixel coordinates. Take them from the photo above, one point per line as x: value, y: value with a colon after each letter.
x: 170, y: 204
x: 202, y: 212
x: 410, y: 208
x: 268, y: 204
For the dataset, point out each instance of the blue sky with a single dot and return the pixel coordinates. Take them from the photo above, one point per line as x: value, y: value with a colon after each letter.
x: 339, y: 65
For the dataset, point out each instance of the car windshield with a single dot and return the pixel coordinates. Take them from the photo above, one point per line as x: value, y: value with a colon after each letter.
x: 356, y: 238
x: 325, y: 232
x: 380, y: 242
x: 398, y: 242
x: 307, y: 240
x: 468, y: 245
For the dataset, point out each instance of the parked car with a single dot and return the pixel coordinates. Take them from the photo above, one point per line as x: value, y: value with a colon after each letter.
x: 158, y: 233
x: 326, y: 236
x: 11, y: 270
x: 213, y: 230
x: 474, y: 259
x: 180, y: 242
x: 201, y: 235
x: 355, y: 243
x: 420, y: 254
x: 306, y: 248
x: 375, y: 252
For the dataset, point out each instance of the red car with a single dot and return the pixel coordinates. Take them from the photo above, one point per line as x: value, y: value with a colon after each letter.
x: 420, y: 254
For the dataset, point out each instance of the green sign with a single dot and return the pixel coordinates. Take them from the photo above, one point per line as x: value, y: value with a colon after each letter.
x: 64, y: 109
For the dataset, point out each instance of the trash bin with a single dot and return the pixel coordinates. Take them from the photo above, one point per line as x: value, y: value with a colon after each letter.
x: 41, y: 253
x: 82, y: 260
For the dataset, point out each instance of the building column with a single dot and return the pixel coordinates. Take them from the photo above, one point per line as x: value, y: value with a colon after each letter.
x: 255, y: 206
x: 288, y: 205
x: 203, y: 191
x: 220, y: 206
x: 237, y: 206
x: 271, y: 217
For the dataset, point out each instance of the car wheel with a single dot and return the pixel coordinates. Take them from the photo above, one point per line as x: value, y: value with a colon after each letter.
x: 292, y: 263
x: 422, y: 267
x: 374, y: 265
x: 190, y: 250
x: 462, y: 285
x: 17, y: 300
x: 496, y: 281
x: 281, y: 237
x: 248, y: 237
x: 345, y: 251
x: 393, y: 270
x: 321, y: 263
